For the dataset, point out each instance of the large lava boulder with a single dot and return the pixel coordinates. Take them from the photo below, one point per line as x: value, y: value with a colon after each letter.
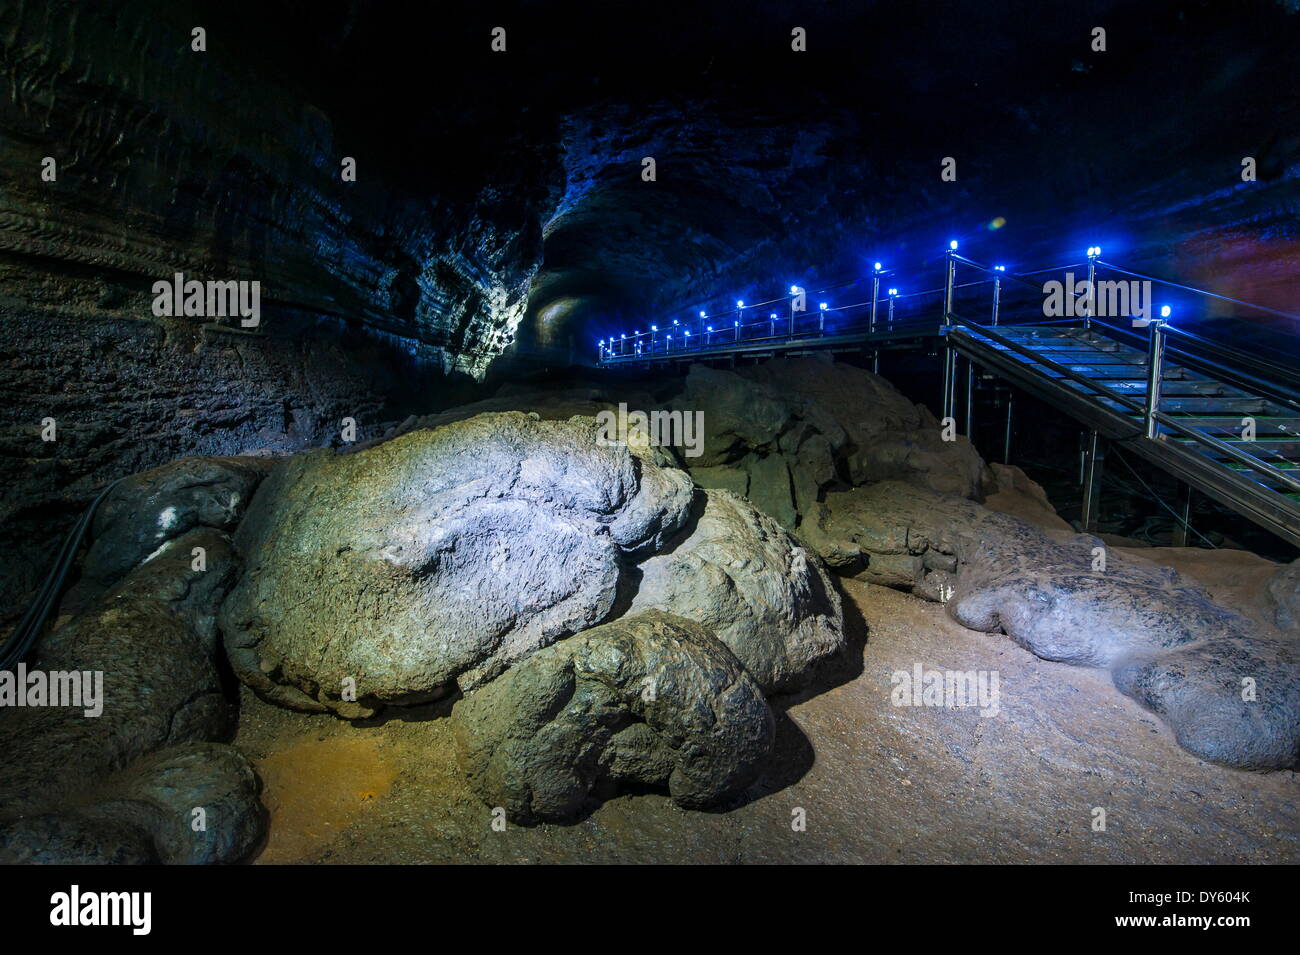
x: 758, y: 589
x: 650, y: 700
x: 438, y: 559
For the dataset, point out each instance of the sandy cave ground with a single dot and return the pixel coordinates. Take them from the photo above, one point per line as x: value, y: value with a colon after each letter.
x: 876, y: 782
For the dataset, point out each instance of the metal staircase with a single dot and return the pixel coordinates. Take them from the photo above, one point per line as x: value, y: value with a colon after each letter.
x: 1222, y: 420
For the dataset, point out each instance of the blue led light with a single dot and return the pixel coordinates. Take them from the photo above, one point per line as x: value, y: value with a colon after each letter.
x: 822, y: 306
x: 953, y: 245
x: 740, y: 303
x: 877, y: 266
x: 1165, y: 311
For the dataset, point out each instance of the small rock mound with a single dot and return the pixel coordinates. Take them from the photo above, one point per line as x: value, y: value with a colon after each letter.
x: 648, y: 700
x: 194, y: 804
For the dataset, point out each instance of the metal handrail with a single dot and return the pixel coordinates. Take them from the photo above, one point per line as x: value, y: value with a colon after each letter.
x: 1278, y: 388
x: 1199, y: 291
x: 1172, y: 423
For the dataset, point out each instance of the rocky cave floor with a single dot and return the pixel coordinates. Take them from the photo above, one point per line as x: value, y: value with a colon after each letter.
x: 879, y: 783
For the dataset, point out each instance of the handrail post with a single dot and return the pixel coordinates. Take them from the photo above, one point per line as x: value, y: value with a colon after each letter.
x: 1092, y: 288
x: 948, y: 286
x: 949, y: 358
x: 1155, y: 373
x: 997, y: 297
x: 875, y: 294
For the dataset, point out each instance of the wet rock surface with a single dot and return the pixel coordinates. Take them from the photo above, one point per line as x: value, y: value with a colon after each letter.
x: 649, y: 700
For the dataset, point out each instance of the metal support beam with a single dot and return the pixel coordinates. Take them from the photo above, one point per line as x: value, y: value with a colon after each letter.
x: 1091, y: 312
x: 970, y: 400
x: 1094, y: 456
x: 1183, y: 526
x: 1006, y: 438
x: 949, y: 356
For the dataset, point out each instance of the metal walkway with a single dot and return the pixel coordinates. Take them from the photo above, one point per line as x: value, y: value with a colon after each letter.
x: 1223, y: 421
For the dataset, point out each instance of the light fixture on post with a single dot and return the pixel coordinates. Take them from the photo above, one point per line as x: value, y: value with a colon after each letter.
x: 1094, y: 251
x: 1155, y: 370
x: 949, y: 356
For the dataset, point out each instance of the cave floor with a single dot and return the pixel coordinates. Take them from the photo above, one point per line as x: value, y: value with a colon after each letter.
x: 879, y: 783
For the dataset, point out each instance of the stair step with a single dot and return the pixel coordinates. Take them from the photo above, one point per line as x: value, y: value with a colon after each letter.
x: 1233, y: 408
x: 1135, y: 388
x: 1266, y: 449
x: 1265, y: 426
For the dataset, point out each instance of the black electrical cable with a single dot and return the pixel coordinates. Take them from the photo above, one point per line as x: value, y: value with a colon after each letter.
x: 20, y: 642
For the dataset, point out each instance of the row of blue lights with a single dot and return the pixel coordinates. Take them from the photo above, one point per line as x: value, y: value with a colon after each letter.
x: 1094, y: 252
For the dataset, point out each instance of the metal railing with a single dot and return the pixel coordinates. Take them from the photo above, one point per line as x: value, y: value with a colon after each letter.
x: 1234, y: 366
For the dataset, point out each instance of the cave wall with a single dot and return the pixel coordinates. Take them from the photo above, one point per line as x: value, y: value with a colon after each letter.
x: 376, y: 300
x: 499, y: 221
